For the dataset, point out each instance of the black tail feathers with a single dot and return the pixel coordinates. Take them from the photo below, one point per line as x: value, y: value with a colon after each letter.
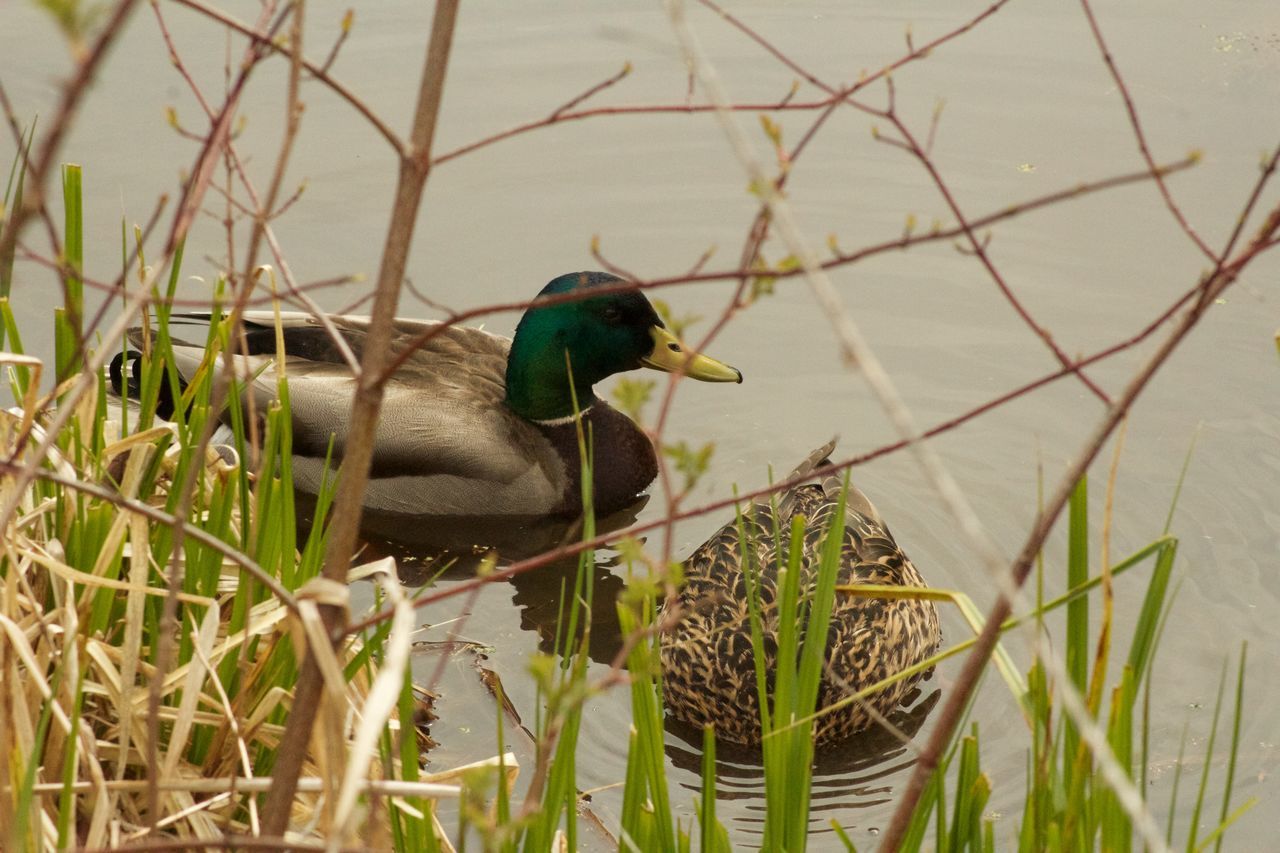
x: 125, y: 374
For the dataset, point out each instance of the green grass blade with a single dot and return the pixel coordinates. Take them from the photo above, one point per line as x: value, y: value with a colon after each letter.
x: 1182, y: 477
x: 1077, y: 643
x: 1177, y: 780
x: 68, y: 325
x: 712, y: 834
x: 843, y: 836
x: 1194, y: 827
x: 1223, y: 823
x: 913, y: 838
x: 70, y: 762
x: 1215, y: 837
x: 12, y: 201
x: 646, y: 715
x: 1144, y: 632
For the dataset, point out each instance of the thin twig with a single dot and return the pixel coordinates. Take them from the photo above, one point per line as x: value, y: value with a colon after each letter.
x: 591, y: 92
x: 348, y: 18
x: 1141, y: 138
x: 72, y: 95
x: 320, y: 73
x: 414, y: 170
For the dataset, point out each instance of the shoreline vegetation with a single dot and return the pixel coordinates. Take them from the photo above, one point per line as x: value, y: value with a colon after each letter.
x: 102, y: 583
x: 182, y: 666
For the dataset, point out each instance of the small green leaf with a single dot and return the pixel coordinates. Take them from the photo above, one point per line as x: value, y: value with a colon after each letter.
x: 631, y: 395
x: 762, y: 285
x: 690, y: 462
x: 677, y: 323
x: 771, y: 129
x: 543, y: 669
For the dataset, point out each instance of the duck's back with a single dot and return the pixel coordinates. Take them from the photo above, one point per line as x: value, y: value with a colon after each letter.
x: 445, y: 442
x: 708, y: 662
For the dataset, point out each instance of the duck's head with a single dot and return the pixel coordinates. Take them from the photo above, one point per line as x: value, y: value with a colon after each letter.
x: 598, y: 336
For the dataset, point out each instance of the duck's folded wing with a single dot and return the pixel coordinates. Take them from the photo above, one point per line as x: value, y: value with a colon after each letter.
x: 434, y: 453
x: 444, y: 428
x: 445, y: 442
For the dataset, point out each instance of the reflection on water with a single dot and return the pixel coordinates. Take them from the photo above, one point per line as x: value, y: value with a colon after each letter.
x: 431, y: 548
x: 537, y: 594
x: 858, y: 773
x: 467, y: 539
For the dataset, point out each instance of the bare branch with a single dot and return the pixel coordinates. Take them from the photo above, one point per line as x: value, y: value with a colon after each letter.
x: 319, y: 72
x: 354, y: 473
x: 1140, y: 137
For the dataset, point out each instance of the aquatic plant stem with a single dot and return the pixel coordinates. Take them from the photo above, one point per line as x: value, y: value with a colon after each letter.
x: 354, y: 474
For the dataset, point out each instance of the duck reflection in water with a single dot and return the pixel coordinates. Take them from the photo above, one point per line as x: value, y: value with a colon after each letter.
x: 452, y: 550
x: 858, y: 772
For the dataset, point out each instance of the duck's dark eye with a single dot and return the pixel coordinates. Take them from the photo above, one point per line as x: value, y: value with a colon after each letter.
x: 611, y: 314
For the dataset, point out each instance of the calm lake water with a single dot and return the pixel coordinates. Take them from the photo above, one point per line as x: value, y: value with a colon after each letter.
x: 1029, y: 109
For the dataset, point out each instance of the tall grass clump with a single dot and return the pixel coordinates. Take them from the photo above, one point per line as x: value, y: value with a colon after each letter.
x: 787, y: 710
x: 154, y: 597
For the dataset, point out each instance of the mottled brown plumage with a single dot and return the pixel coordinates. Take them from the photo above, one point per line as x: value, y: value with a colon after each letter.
x: 707, y: 660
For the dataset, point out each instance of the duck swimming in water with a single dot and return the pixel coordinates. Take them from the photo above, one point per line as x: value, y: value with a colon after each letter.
x: 708, y: 667
x: 472, y: 423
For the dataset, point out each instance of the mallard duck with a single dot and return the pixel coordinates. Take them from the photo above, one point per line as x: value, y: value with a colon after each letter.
x: 474, y: 424
x: 708, y: 670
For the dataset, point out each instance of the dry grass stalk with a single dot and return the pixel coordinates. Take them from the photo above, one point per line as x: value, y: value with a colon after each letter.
x: 78, y: 703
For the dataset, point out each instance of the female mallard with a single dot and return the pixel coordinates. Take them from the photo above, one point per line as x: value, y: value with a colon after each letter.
x: 474, y: 424
x: 708, y: 670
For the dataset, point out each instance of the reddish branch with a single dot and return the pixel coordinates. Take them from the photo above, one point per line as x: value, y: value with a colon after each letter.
x: 639, y: 109
x: 1141, y: 138
x: 976, y: 245
x: 913, y: 53
x: 318, y: 72
x: 592, y: 92
x: 905, y: 241
x: 909, y: 144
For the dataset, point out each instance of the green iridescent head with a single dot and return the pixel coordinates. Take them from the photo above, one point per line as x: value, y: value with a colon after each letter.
x: 599, y: 336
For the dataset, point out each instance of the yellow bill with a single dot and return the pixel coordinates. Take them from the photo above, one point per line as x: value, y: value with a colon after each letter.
x: 671, y: 356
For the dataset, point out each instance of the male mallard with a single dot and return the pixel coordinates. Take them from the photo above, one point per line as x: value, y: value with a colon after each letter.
x: 474, y: 424
x: 708, y: 670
